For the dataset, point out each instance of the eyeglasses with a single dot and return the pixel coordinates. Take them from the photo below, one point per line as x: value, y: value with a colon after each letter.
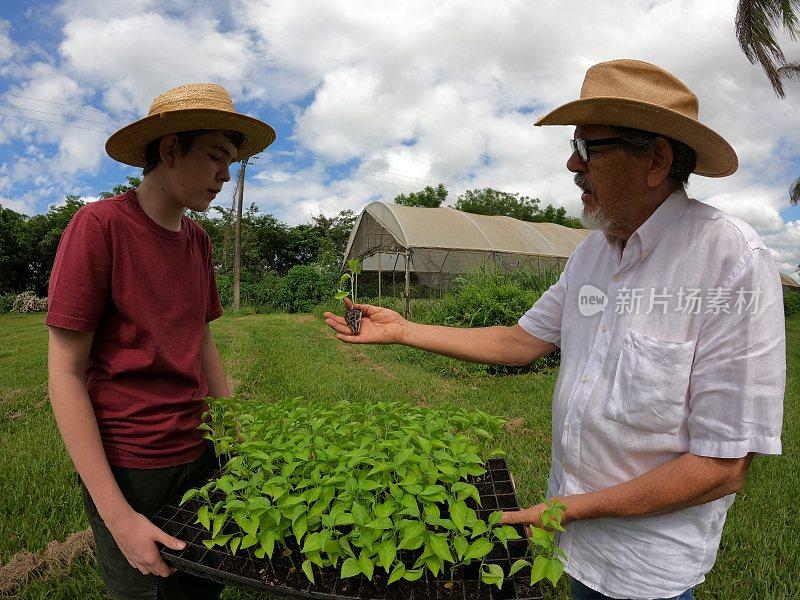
x: 582, y: 146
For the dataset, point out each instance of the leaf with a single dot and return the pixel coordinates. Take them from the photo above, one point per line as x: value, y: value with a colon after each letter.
x: 217, y: 523
x: 554, y: 570
x: 341, y: 295
x: 479, y: 548
x: 403, y: 455
x: 493, y: 575
x: 511, y: 533
x: 234, y: 545
x: 299, y: 528
x: 461, y: 545
x: 366, y: 565
x: 413, y: 536
x: 350, y: 568
x: 308, y: 570
x: 441, y: 548
x: 188, y: 496
x: 360, y: 514
x: 397, y: 573
x: 381, y: 523
x: 540, y: 568
x: 412, y: 574
x: 479, y: 528
x: 248, y: 541
x: 313, y: 543
x: 542, y: 538
x: 459, y: 512
x: 202, y: 517
x: 518, y: 566
x: 387, y: 552
x: 267, y: 540
x: 434, y: 564
x: 495, y: 517
x: 411, y: 506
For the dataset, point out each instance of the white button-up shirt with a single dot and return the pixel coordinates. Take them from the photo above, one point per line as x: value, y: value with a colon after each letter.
x: 675, y: 344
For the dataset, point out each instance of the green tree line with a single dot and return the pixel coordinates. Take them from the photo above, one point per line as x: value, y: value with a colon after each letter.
x: 28, y: 244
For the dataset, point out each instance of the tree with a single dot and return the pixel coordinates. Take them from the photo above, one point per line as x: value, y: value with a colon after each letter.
x: 133, y: 182
x: 14, y: 251
x: 494, y: 202
x: 756, y: 21
x: 427, y: 198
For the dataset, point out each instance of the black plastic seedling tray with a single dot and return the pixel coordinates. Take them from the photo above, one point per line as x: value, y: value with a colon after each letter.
x: 280, y: 577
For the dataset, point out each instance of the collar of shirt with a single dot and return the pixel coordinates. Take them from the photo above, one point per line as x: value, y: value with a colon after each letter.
x: 645, y: 238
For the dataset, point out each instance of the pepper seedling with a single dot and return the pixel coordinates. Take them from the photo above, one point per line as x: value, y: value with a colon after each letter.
x: 547, y: 562
x: 352, y: 315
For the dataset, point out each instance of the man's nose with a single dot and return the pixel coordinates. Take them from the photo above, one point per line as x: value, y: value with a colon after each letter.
x: 575, y: 164
x: 225, y: 175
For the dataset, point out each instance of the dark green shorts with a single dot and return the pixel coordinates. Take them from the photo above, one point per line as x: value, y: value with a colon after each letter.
x: 147, y: 490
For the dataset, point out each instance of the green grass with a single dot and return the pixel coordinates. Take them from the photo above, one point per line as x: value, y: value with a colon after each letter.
x: 279, y: 356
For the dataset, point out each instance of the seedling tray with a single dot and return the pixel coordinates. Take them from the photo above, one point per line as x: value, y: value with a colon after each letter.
x: 278, y: 577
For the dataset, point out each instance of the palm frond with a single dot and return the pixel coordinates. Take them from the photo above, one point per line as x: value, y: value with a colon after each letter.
x: 756, y: 20
x: 794, y: 192
x: 790, y: 71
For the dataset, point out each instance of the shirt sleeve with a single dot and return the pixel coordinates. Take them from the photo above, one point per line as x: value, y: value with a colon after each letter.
x: 80, y: 279
x: 213, y: 304
x: 738, y: 376
x: 543, y: 320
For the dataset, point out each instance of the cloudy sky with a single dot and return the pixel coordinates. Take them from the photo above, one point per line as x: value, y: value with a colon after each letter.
x: 372, y: 99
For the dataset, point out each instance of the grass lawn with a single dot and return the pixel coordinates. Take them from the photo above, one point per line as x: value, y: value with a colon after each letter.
x: 276, y: 356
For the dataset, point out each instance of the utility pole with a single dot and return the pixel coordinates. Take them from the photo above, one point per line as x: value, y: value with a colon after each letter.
x: 237, y: 257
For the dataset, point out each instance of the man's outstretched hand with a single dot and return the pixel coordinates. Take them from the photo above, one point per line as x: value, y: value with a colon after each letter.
x: 378, y: 325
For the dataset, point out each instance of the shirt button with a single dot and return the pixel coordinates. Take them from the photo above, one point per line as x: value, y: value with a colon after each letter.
x: 604, y: 328
x: 615, y: 278
x: 566, y: 427
x: 585, y: 379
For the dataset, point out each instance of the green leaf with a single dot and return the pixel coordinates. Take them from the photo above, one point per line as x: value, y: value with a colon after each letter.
x: 479, y: 548
x: 479, y: 528
x: 387, y: 552
x: 541, y: 566
x: 403, y: 455
x: 360, y: 514
x: 461, y: 545
x: 267, y: 541
x: 188, y: 496
x: 217, y: 523
x: 234, y: 544
x: 541, y: 538
x: 412, y: 574
x: 459, y: 512
x: 441, y: 548
x: 299, y: 528
x: 248, y: 541
x: 308, y: 570
x: 366, y: 565
x: 202, y: 517
x: 341, y: 295
x: 411, y: 506
x: 518, y: 566
x: 413, y: 536
x: 493, y: 575
x: 397, y: 573
x: 313, y: 543
x: 434, y: 564
x: 381, y: 523
x: 350, y: 568
x: 554, y: 570
x: 495, y: 517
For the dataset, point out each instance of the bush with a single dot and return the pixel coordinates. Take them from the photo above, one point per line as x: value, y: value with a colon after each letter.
x: 28, y: 302
x: 7, y: 302
x: 305, y: 286
x: 791, y: 302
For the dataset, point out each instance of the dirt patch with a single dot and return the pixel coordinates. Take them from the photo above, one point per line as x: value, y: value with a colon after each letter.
x: 54, y: 560
x: 516, y: 425
x: 16, y: 415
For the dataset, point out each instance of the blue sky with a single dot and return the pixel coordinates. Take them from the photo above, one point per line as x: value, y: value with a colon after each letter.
x: 373, y: 99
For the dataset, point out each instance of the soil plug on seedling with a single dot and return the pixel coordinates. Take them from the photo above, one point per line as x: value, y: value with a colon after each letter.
x: 352, y: 315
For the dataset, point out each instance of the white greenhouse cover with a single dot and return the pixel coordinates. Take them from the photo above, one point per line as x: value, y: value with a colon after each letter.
x: 446, y: 240
x: 788, y: 280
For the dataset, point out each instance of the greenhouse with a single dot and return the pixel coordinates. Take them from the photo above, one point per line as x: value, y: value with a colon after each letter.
x: 434, y: 243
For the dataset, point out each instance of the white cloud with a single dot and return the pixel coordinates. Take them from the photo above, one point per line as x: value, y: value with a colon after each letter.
x: 7, y: 46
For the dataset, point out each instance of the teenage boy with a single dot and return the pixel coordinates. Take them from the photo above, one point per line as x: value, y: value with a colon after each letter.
x: 131, y: 356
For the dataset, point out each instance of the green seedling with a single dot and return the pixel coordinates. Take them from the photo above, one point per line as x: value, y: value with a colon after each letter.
x: 352, y: 315
x: 544, y: 553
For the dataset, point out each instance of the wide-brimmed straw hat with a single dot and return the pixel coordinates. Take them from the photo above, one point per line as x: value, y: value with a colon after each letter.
x: 636, y: 94
x: 188, y: 108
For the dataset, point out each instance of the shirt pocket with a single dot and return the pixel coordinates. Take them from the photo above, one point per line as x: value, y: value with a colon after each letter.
x: 650, y: 385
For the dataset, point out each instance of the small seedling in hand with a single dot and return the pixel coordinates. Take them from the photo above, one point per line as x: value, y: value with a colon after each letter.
x: 352, y: 315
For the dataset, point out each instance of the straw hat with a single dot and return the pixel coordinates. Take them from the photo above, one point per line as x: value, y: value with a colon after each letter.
x: 187, y: 108
x: 632, y: 93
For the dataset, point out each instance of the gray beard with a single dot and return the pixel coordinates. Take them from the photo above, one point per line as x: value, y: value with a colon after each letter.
x: 595, y: 220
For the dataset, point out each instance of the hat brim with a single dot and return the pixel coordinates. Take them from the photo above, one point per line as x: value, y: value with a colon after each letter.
x: 715, y: 156
x: 128, y: 144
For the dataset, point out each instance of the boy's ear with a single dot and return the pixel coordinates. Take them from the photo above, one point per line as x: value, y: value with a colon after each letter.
x: 168, y: 148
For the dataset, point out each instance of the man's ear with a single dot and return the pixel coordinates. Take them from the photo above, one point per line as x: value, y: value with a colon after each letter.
x: 168, y: 148
x: 661, y: 163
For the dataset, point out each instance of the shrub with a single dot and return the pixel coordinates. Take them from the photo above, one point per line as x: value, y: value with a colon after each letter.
x: 305, y: 286
x: 28, y: 302
x: 791, y: 302
x: 7, y: 302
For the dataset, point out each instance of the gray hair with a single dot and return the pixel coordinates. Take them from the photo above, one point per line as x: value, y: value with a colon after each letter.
x: 684, y: 159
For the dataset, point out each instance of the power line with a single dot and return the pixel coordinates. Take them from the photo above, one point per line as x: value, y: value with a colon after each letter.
x: 62, y: 104
x: 53, y: 123
x: 44, y: 112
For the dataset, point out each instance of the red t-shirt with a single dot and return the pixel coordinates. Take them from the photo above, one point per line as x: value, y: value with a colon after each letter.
x: 147, y: 293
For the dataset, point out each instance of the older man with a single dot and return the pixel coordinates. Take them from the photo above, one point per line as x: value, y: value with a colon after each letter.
x: 670, y: 323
